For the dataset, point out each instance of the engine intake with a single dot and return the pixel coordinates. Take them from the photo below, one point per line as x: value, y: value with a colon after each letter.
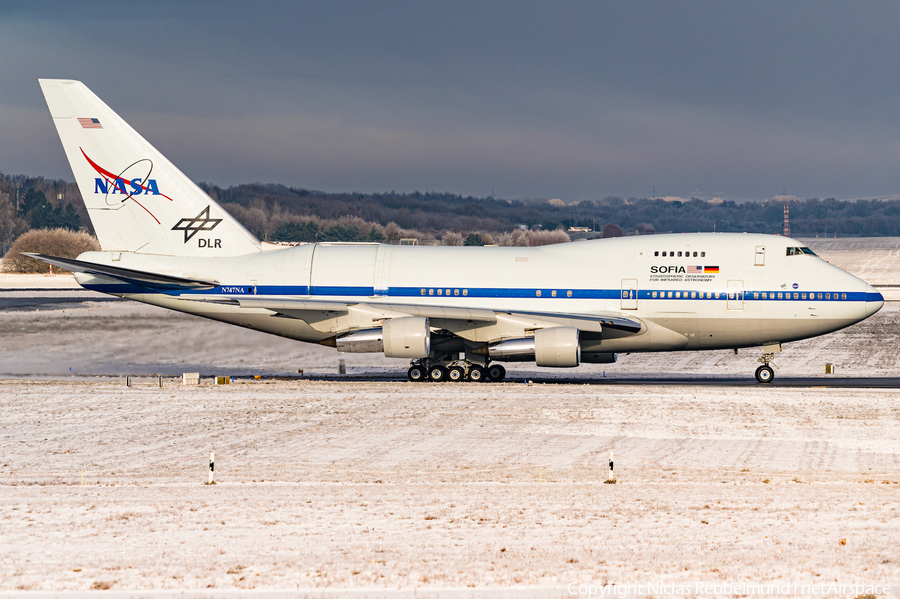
x: 557, y: 347
x: 407, y: 337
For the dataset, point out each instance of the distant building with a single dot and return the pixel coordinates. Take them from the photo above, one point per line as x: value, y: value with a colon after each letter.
x: 579, y: 229
x: 409, y: 241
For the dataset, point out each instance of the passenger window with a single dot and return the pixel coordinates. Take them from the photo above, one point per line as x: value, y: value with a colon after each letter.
x: 677, y: 295
x: 780, y: 295
x: 764, y: 295
x: 820, y: 296
x: 679, y: 254
x: 664, y: 254
x: 693, y: 294
x: 448, y: 292
x: 827, y: 296
x: 656, y: 253
x: 653, y: 295
x: 843, y: 296
x: 569, y: 293
x: 465, y: 292
x: 423, y: 292
x: 431, y: 292
x: 796, y: 296
x: 708, y: 295
x: 538, y: 293
x: 440, y: 291
x: 703, y: 254
x: 670, y: 294
x: 553, y: 293
x: 755, y: 295
x: 802, y: 296
x: 456, y: 292
x: 717, y: 295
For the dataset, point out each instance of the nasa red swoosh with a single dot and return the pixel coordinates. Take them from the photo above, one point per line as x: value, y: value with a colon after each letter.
x: 113, y: 177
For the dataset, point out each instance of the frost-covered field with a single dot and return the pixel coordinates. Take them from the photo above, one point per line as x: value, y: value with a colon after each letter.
x: 394, y: 485
x: 384, y: 488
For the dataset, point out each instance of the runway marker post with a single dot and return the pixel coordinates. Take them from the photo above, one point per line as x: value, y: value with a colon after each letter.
x: 609, y: 474
x: 212, y: 467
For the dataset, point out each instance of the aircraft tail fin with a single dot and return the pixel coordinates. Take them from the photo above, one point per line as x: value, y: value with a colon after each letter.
x: 137, y: 200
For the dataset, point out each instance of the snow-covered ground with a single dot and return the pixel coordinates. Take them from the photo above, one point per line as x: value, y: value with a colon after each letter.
x: 382, y: 488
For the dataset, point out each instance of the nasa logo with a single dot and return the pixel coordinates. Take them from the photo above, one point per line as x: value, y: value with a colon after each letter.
x: 134, y: 187
x: 795, y: 286
x: 133, y: 181
x: 665, y: 270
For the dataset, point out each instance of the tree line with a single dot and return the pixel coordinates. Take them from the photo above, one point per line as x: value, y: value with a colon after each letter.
x: 280, y: 213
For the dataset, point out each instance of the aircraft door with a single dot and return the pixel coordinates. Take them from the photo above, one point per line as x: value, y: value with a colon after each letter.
x: 735, y: 299
x: 629, y: 294
x: 760, y: 259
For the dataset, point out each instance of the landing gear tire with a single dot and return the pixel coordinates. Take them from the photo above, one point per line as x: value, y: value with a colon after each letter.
x: 476, y: 374
x: 765, y: 374
x: 416, y: 374
x: 456, y: 374
x: 496, y: 373
x: 437, y: 374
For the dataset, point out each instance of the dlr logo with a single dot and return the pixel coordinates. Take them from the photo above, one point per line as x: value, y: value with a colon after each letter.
x: 211, y: 243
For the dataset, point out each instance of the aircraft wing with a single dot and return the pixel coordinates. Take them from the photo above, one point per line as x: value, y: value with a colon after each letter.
x: 455, y: 317
x: 138, y: 277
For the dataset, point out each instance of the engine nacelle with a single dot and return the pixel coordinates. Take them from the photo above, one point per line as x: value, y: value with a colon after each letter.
x: 557, y: 347
x: 598, y: 357
x: 407, y: 337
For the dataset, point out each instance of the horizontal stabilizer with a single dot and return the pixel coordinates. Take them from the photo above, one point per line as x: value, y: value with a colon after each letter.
x: 137, y: 277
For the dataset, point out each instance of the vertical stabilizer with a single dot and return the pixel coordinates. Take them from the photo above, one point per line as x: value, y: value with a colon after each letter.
x: 137, y: 200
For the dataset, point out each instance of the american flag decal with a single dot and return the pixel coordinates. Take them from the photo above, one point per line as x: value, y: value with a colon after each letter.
x: 90, y: 123
x: 694, y: 270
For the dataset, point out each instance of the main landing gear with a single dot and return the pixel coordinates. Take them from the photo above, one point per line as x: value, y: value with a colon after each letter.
x: 455, y: 371
x: 766, y: 372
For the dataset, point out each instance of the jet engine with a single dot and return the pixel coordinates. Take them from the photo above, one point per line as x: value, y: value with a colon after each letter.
x: 407, y: 337
x: 554, y: 347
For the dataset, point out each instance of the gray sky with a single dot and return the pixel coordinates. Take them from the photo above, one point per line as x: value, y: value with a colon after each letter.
x: 571, y: 100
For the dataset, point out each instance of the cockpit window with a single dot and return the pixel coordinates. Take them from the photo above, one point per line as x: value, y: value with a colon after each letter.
x: 800, y: 251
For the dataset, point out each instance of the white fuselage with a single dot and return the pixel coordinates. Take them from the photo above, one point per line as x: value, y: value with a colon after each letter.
x: 708, y: 291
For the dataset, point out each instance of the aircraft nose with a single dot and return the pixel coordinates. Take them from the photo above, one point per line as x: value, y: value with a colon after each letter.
x: 874, y: 300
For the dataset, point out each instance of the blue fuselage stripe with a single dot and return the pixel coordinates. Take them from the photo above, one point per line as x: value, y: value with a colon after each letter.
x: 500, y: 293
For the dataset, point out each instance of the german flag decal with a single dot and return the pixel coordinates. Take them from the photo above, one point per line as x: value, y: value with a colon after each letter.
x: 713, y: 269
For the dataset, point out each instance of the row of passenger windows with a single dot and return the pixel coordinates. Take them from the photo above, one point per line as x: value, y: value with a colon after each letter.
x: 444, y: 291
x: 465, y: 292
x: 685, y: 254
x: 756, y: 295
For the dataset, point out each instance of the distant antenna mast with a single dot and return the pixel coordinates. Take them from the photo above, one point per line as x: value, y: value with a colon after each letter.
x: 787, y: 221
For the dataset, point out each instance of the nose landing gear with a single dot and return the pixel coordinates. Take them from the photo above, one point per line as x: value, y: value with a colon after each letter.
x: 766, y: 372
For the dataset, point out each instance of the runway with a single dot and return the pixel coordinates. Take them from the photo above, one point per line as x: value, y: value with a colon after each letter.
x: 749, y: 381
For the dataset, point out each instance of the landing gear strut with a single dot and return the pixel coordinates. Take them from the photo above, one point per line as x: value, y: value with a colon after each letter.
x: 766, y: 373
x: 446, y: 368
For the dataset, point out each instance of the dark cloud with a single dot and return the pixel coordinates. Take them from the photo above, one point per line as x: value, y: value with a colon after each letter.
x: 570, y: 100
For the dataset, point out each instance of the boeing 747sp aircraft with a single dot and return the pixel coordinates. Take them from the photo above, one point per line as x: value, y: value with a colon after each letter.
x: 456, y: 312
